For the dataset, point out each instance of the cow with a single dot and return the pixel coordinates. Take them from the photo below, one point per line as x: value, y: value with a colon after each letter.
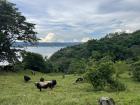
x: 45, y: 84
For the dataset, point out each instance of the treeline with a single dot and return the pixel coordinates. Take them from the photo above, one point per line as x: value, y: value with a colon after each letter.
x: 74, y: 59
x: 100, y: 61
x: 114, y: 46
x: 103, y: 61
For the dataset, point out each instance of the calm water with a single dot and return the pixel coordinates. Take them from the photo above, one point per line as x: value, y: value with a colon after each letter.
x: 45, y: 51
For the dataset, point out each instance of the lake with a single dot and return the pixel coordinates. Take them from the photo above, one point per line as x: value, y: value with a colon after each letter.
x: 45, y: 51
x: 45, y: 48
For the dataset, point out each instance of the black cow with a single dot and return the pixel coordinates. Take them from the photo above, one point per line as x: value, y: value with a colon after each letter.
x: 79, y: 80
x: 26, y: 78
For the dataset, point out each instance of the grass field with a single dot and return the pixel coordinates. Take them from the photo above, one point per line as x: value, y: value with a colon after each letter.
x: 14, y: 91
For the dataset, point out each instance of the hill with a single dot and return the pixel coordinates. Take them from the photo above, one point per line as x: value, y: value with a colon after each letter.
x: 14, y: 91
x: 115, y: 46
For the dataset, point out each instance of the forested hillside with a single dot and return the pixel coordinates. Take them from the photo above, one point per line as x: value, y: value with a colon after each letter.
x: 114, y: 46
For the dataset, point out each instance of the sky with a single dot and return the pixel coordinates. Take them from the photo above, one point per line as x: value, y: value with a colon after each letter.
x: 80, y: 20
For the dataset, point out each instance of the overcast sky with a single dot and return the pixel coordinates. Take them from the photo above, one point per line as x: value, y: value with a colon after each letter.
x: 80, y: 20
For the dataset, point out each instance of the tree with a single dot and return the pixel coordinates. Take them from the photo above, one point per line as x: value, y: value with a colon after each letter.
x: 77, y: 66
x: 34, y: 61
x: 49, y: 66
x: 13, y: 27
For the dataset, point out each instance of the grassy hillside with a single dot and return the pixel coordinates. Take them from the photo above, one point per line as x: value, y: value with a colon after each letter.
x: 14, y: 91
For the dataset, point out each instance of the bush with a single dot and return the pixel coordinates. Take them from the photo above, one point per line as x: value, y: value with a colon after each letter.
x: 116, y: 85
x: 101, y: 76
x: 136, y: 71
x: 120, y: 67
x: 77, y: 66
x: 18, y: 66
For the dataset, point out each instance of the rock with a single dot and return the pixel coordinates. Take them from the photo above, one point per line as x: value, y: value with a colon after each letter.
x: 106, y: 101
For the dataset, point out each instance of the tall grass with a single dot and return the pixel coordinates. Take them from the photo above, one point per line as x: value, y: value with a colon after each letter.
x: 14, y: 91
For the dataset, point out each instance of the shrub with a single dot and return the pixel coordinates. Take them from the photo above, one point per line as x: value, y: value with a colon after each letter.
x: 101, y: 76
x: 18, y: 66
x: 77, y: 66
x: 116, y: 85
x: 120, y: 67
x: 136, y: 71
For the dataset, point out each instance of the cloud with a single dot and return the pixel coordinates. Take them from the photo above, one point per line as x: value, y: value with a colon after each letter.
x: 85, y: 39
x: 52, y: 37
x: 77, y: 19
x: 123, y: 30
x: 48, y: 38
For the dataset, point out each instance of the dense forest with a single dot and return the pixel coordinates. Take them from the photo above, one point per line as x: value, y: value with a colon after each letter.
x: 115, y: 47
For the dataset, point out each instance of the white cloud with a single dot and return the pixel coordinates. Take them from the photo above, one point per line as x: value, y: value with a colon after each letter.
x: 123, y: 30
x: 75, y: 19
x: 48, y: 38
x: 85, y: 39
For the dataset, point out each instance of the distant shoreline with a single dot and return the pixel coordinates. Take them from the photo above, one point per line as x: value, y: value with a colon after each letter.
x: 46, y: 44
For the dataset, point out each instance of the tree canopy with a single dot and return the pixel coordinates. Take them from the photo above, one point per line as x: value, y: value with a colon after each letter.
x: 13, y: 27
x: 114, y: 46
x: 36, y: 62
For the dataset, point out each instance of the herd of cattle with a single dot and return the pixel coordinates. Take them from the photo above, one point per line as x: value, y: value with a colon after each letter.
x: 43, y: 84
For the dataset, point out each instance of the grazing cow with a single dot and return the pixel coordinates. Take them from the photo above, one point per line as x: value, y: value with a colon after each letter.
x: 46, y: 84
x: 79, y: 80
x: 106, y: 101
x: 26, y: 78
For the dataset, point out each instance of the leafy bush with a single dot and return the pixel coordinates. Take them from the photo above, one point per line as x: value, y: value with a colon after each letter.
x: 116, y: 85
x: 136, y: 70
x: 77, y: 66
x: 120, y: 67
x: 101, y: 76
x: 18, y: 66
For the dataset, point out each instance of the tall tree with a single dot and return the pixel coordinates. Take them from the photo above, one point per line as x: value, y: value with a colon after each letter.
x: 13, y: 27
